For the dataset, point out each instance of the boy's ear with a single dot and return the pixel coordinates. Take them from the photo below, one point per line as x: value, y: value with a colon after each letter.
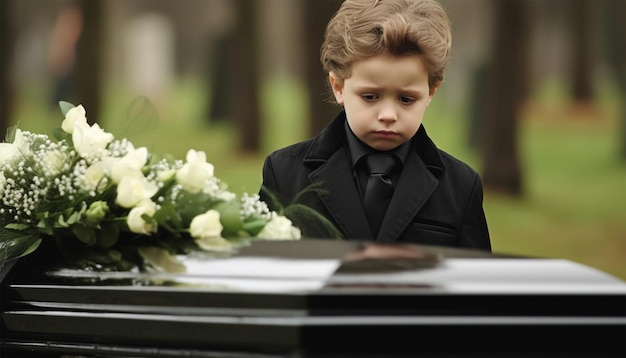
x: 337, y: 87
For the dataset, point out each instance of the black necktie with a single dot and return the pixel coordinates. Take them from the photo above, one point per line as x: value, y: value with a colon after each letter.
x: 379, y: 189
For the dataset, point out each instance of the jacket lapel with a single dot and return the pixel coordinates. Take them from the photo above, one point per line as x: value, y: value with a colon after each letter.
x: 344, y: 204
x: 415, y: 185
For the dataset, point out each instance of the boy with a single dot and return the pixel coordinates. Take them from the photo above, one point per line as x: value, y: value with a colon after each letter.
x: 385, y: 60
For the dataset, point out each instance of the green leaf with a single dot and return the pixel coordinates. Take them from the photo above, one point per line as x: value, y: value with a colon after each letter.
x: 15, y: 244
x: 254, y: 227
x: 16, y: 226
x: 272, y: 199
x: 59, y: 134
x: 31, y: 248
x: 168, y: 218
x: 85, y: 235
x: 149, y: 219
x: 189, y: 205
x: 168, y: 213
x: 65, y: 107
x: 230, y: 217
x: 108, y: 235
x: 10, y: 136
x: 45, y: 227
x: 310, y: 222
x: 311, y: 189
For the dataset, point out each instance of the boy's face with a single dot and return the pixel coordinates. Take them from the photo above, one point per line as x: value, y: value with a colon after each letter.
x: 385, y: 99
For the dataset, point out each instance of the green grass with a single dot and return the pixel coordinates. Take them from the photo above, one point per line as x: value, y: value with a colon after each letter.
x: 574, y: 205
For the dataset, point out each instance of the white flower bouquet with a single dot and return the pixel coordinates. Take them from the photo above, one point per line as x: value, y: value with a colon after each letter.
x: 111, y: 206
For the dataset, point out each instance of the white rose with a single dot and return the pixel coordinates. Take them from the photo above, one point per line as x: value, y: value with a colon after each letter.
x: 206, y: 229
x: 195, y: 172
x: 136, y: 223
x: 206, y: 225
x: 73, y: 116
x: 107, y: 163
x: 279, y: 228
x: 133, y: 161
x: 90, y: 141
x: 10, y: 150
x: 20, y: 142
x: 7, y: 151
x: 95, y: 178
x: 132, y: 189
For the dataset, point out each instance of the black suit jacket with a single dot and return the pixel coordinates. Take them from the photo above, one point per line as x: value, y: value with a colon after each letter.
x: 437, y: 200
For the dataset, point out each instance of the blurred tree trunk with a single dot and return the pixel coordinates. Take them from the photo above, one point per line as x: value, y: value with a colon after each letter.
x: 614, y: 35
x: 90, y: 53
x: 6, y: 50
x: 507, y: 88
x: 580, y: 21
x: 244, y: 98
x: 316, y: 14
x: 222, y: 52
x: 478, y: 104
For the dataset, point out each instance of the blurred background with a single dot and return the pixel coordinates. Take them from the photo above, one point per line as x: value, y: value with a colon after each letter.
x: 533, y: 99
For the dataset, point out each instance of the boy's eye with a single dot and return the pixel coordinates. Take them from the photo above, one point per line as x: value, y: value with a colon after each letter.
x: 369, y: 97
x: 407, y: 100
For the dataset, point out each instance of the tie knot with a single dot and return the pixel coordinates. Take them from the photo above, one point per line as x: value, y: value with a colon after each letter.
x: 380, y: 163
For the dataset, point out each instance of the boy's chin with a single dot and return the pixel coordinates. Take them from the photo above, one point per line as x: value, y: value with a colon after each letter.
x: 384, y: 146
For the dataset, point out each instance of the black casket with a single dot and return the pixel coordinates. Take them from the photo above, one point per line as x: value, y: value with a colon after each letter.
x: 318, y: 298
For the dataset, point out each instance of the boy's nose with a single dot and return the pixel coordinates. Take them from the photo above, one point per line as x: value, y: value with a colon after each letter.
x: 387, y: 112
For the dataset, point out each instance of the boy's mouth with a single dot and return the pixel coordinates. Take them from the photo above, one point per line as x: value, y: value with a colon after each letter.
x: 385, y: 134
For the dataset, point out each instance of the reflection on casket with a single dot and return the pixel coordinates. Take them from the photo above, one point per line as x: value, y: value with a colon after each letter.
x: 319, y: 298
